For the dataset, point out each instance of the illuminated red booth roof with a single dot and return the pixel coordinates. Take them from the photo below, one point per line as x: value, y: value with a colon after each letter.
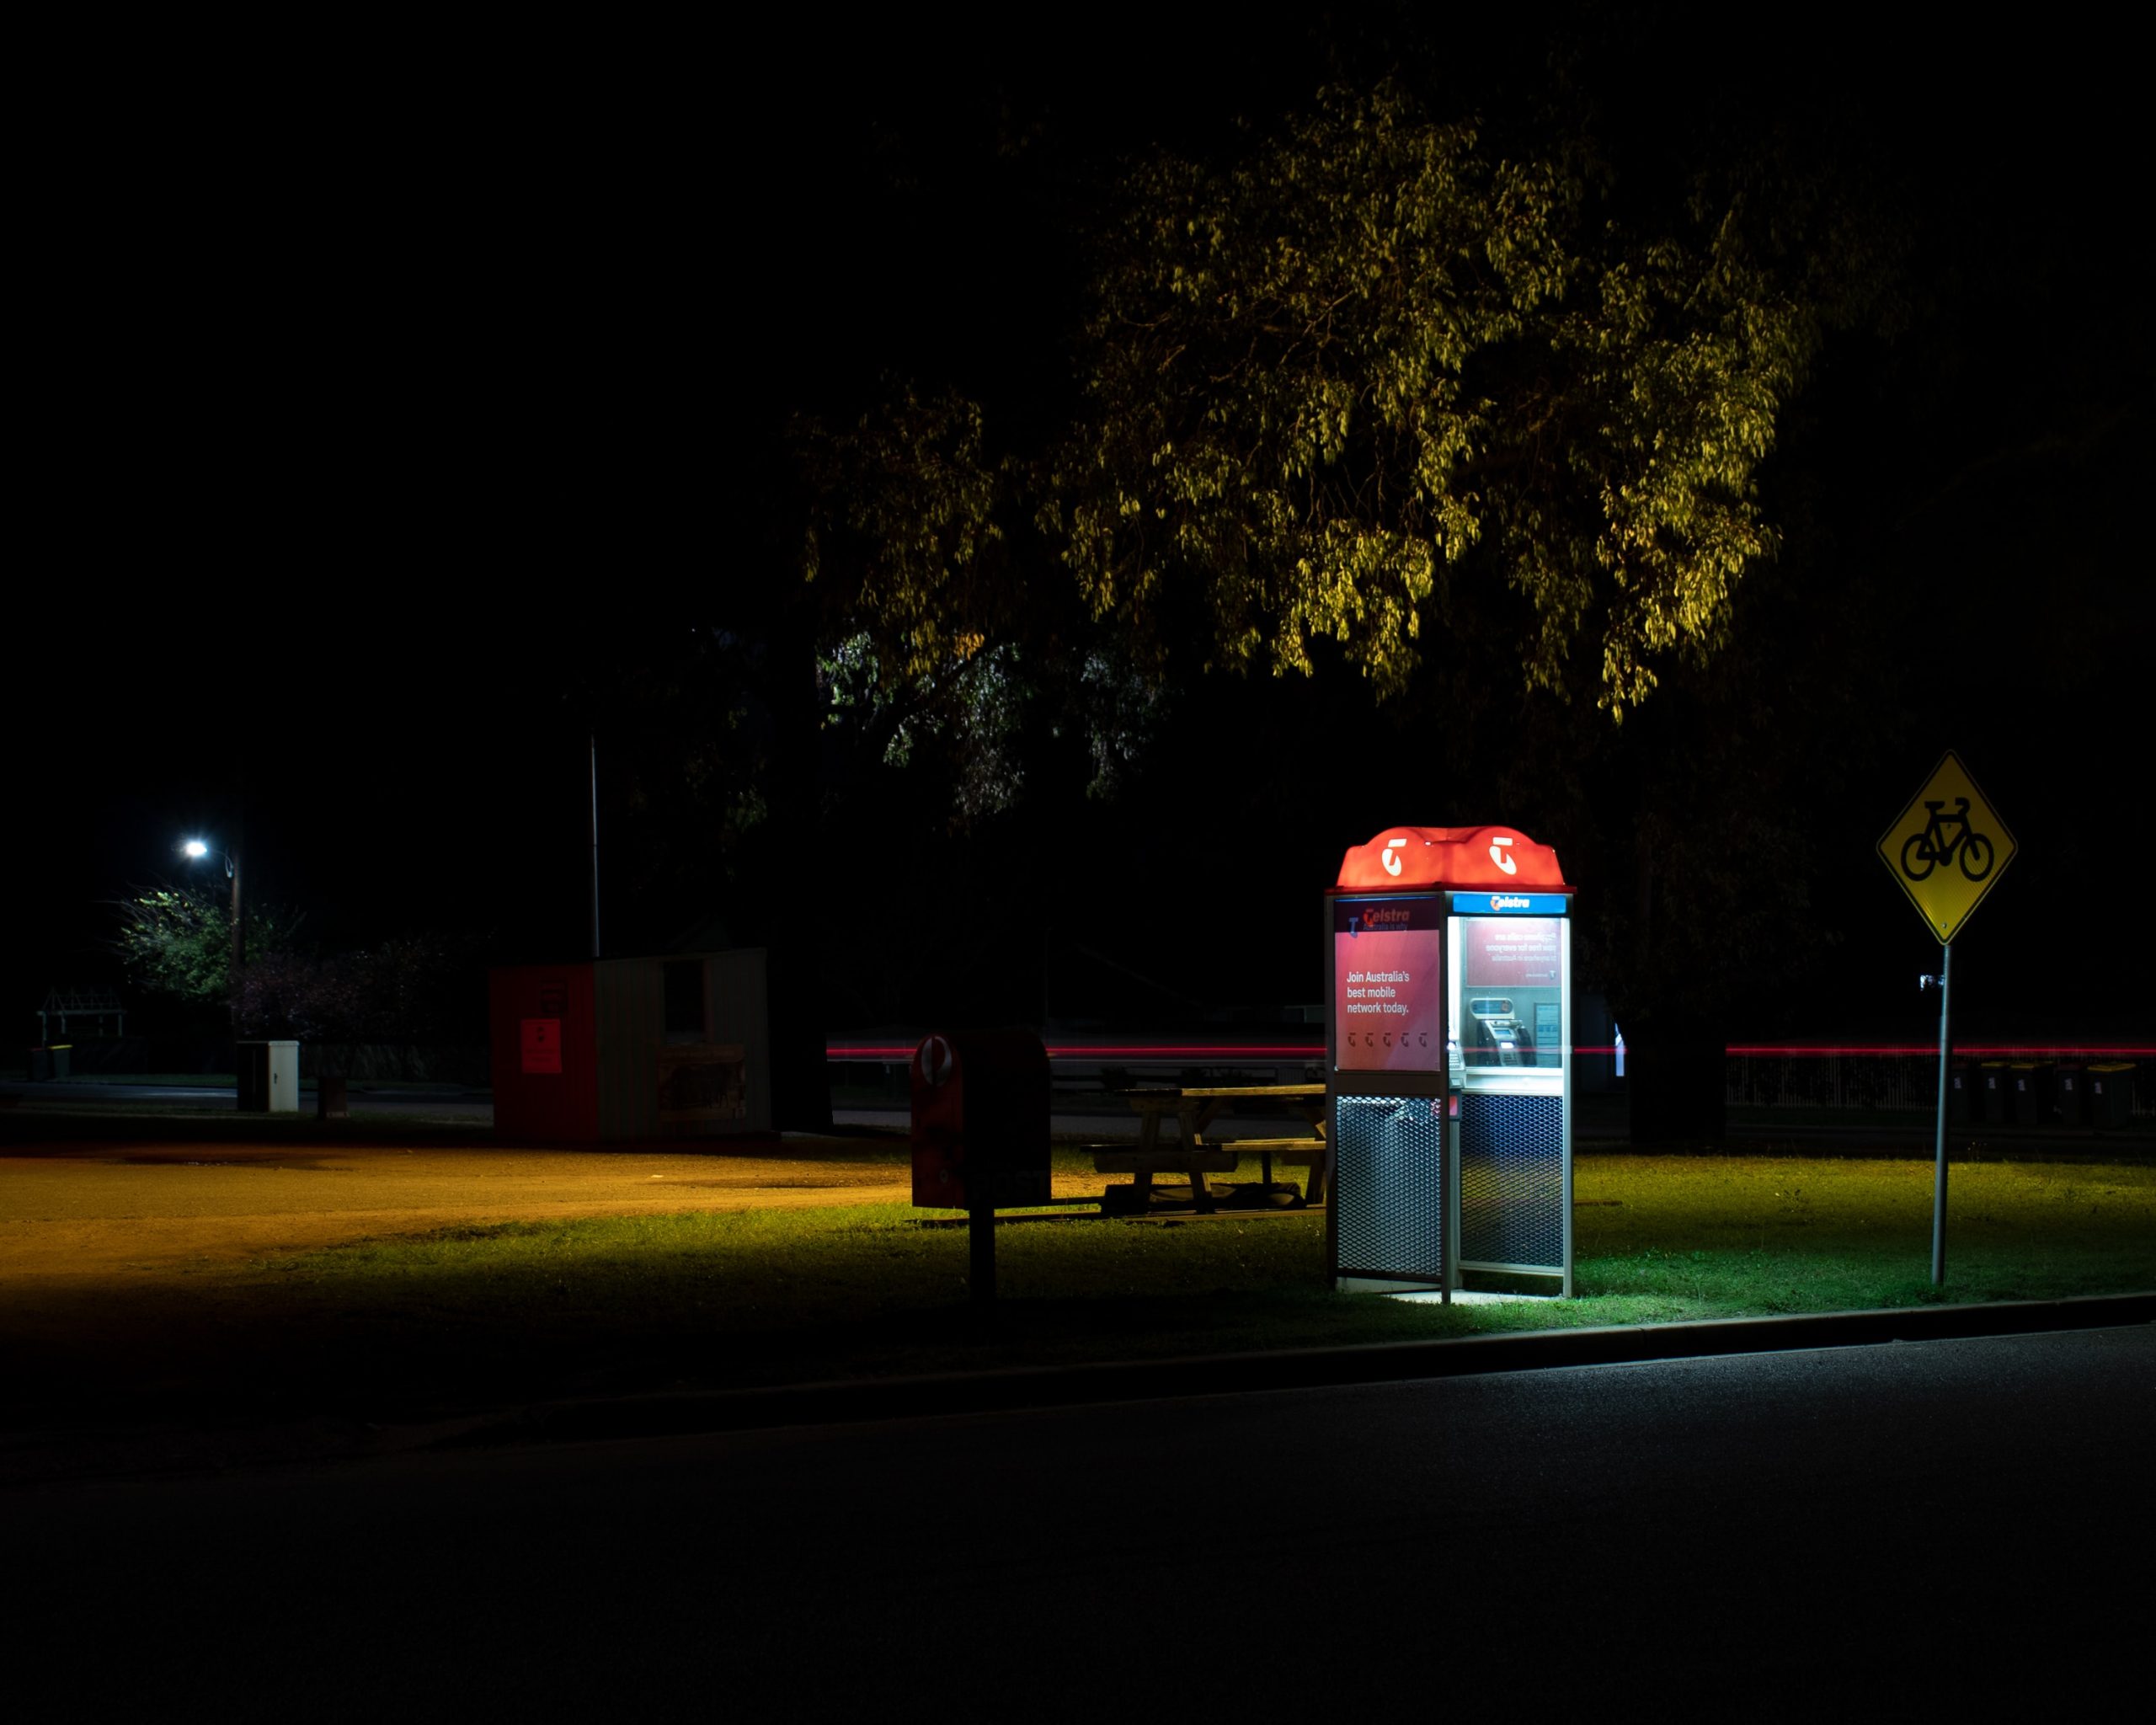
x: 1410, y: 858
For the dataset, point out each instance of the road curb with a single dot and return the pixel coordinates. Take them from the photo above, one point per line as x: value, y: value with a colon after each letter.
x: 1028, y: 1387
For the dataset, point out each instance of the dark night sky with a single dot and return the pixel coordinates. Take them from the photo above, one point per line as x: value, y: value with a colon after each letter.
x: 376, y: 409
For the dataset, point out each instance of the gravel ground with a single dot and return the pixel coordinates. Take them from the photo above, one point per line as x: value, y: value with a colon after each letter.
x: 134, y: 1211
x: 139, y: 1210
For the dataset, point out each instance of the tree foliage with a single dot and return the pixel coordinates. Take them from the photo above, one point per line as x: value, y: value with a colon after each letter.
x: 910, y: 490
x: 402, y: 991
x: 178, y: 941
x: 1364, y: 375
x: 1369, y: 361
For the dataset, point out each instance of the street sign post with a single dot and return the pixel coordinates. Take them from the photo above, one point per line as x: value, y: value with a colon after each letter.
x: 1947, y: 849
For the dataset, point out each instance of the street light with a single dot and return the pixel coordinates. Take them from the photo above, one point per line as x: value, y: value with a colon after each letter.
x: 195, y: 851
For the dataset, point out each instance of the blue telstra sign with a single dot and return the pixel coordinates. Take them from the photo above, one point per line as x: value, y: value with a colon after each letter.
x: 1509, y: 903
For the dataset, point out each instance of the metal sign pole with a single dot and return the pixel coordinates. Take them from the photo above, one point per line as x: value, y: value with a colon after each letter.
x: 595, y: 844
x: 984, y: 1183
x: 1947, y: 850
x: 1939, y: 1173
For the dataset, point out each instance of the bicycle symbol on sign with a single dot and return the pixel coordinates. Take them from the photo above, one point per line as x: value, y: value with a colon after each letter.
x: 1944, y: 836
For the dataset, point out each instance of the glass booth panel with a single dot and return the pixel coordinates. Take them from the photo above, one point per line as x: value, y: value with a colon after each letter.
x: 1508, y: 993
x: 1507, y: 1020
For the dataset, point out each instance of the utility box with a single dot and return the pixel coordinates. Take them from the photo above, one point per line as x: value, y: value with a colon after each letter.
x: 269, y: 1077
x: 623, y: 1050
x: 980, y: 1120
x: 1450, y: 1060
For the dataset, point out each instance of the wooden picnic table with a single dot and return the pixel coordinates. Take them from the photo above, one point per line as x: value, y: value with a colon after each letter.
x: 1198, y: 1151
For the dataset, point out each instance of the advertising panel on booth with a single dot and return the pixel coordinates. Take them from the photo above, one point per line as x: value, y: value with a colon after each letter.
x: 1388, y: 984
x: 1507, y: 954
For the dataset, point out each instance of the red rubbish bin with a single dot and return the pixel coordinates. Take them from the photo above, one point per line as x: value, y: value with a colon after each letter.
x: 980, y: 1112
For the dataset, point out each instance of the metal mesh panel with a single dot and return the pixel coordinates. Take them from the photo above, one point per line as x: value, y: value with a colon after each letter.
x: 1512, y: 1180
x: 1389, y: 1191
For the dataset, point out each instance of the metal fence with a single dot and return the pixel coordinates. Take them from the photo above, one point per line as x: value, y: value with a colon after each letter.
x: 1883, y: 1079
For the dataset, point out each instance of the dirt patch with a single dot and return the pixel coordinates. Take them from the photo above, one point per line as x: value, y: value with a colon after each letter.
x: 131, y: 1211
x: 135, y: 1212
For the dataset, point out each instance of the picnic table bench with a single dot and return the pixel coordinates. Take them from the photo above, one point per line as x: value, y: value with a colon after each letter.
x: 1198, y: 1151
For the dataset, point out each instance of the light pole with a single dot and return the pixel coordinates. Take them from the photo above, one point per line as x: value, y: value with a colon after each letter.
x: 196, y: 850
x: 595, y: 846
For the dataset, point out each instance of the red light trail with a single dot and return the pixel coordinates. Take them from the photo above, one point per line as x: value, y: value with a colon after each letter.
x: 1315, y: 1051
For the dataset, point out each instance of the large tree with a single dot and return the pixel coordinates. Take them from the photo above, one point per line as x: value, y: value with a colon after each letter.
x: 1371, y: 362
x: 1441, y: 405
x: 1360, y: 380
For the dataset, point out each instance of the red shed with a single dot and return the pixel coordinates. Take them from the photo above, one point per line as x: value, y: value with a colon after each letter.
x: 613, y: 1049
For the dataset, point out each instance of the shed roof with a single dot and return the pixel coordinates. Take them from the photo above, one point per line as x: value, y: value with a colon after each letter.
x: 1406, y: 858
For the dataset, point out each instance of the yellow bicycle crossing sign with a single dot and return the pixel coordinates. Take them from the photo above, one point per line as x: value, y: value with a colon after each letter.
x: 1948, y: 848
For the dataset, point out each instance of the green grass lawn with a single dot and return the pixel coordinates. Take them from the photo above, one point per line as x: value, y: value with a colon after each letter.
x: 416, y: 1328
x: 1736, y: 1236
x: 713, y: 1299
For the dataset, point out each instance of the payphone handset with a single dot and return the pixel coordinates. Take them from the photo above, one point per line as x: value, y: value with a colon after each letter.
x: 1499, y: 1032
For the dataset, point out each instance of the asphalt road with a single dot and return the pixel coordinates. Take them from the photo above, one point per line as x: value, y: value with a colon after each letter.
x: 1873, y: 1530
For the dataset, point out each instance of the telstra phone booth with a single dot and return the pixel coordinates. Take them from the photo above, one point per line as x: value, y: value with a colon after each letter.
x: 1449, y: 1060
